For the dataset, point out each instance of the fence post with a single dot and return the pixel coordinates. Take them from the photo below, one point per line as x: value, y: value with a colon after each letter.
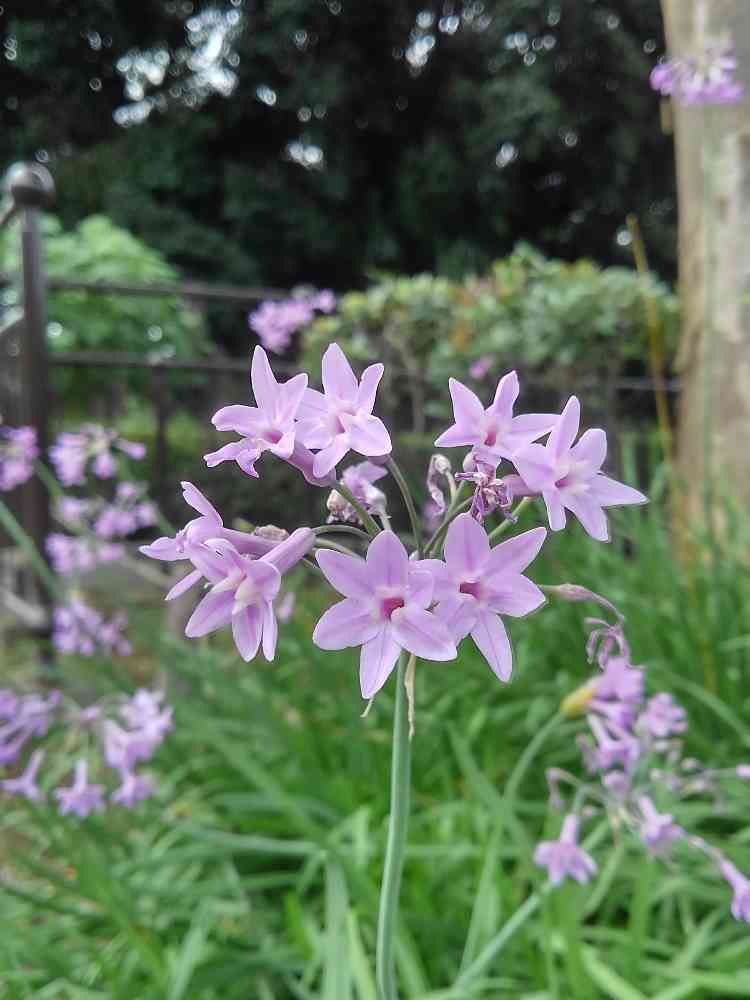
x: 31, y: 189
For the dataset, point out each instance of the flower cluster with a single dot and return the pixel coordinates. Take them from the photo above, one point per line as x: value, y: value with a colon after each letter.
x: 70, y: 555
x: 275, y: 322
x: 127, y: 512
x: 638, y: 772
x: 707, y: 78
x: 18, y: 451
x: 423, y: 601
x: 78, y: 628
x: 110, y: 738
x: 91, y: 444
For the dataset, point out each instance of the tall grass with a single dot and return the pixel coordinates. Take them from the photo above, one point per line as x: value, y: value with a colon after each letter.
x: 254, y: 873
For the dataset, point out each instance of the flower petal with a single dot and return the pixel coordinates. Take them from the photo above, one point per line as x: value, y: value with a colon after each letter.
x: 326, y: 460
x: 387, y: 561
x: 304, y: 460
x: 492, y: 640
x: 444, y: 585
x: 348, y: 623
x: 555, y: 509
x: 229, y: 453
x: 466, y: 546
x: 534, y: 463
x: 515, y: 555
x: 421, y: 633
x: 214, y: 611
x: 609, y: 493
x: 458, y: 435
x: 265, y: 386
x: 514, y: 595
x: 368, y: 435
x: 467, y: 408
x: 246, y: 631
x: 288, y: 553
x: 347, y: 574
x: 591, y: 448
x: 368, y: 387
x: 590, y: 514
x: 564, y: 432
x: 291, y: 394
x: 459, y: 613
x: 270, y: 631
x: 193, y: 496
x: 506, y: 395
x: 244, y: 420
x: 421, y: 587
x: 183, y: 585
x: 376, y: 661
x: 530, y: 426
x: 339, y: 381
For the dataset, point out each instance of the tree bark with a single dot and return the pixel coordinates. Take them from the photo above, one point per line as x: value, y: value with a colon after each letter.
x: 712, y: 148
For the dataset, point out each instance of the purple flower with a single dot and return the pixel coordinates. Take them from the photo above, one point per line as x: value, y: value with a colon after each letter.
x: 490, y: 493
x: 78, y: 628
x: 276, y: 322
x: 709, y: 78
x: 341, y: 418
x: 384, y: 610
x: 25, y: 784
x: 72, y: 451
x: 743, y: 771
x: 79, y: 555
x: 741, y: 888
x: 494, y: 433
x: 568, y: 476
x: 133, y: 789
x: 619, y: 681
x: 243, y: 591
x: 324, y: 301
x: 657, y: 830
x: 615, y: 746
x: 18, y: 451
x: 269, y: 426
x: 481, y: 367
x: 80, y: 798
x: 477, y: 584
x: 128, y: 512
x: 439, y: 469
x: 563, y: 856
x: 662, y: 717
x: 359, y: 481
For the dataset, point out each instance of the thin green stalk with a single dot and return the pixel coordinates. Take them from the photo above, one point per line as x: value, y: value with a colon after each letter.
x: 22, y: 539
x: 370, y: 524
x: 416, y: 527
x: 342, y: 529
x: 395, y: 848
x: 502, y: 528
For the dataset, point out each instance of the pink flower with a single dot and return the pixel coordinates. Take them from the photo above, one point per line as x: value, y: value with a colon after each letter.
x: 657, y: 830
x: 477, y: 584
x: 18, y: 450
x: 741, y: 888
x: 662, y: 717
x: 269, y: 426
x: 481, y: 367
x: 494, y: 433
x: 80, y: 798
x: 134, y: 788
x: 568, y: 476
x: 341, y: 418
x: 563, y: 856
x: 243, y: 592
x: 25, y: 784
x: 359, y: 480
x: 384, y: 610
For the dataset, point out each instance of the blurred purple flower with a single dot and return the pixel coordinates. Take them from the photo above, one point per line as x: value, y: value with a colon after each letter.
x: 658, y: 831
x: 563, y: 857
x: 18, y: 451
x: 741, y: 888
x: 72, y: 452
x: 78, y: 628
x: 80, y: 798
x: 708, y: 78
x: 25, y: 784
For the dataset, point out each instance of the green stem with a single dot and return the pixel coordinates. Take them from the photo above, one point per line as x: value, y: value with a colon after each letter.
x: 22, y: 539
x: 370, y: 524
x: 341, y: 529
x: 394, y: 853
x: 409, y: 501
x: 502, y: 528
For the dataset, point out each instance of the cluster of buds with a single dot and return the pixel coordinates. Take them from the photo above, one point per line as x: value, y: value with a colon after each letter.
x: 18, y: 452
x: 91, y: 446
x: 709, y: 77
x: 108, y: 741
x: 423, y: 600
x: 634, y: 755
x: 275, y: 322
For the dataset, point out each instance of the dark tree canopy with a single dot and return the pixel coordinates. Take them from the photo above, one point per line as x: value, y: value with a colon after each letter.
x: 300, y: 140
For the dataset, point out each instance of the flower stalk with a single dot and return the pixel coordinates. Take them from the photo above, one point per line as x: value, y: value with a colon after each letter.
x: 396, y: 845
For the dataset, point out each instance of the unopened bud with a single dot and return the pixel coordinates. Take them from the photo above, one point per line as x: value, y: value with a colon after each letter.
x: 577, y: 701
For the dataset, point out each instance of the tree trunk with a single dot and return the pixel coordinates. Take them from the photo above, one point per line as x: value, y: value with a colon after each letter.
x: 712, y: 146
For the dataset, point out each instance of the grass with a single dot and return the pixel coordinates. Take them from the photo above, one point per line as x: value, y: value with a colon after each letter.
x: 254, y: 874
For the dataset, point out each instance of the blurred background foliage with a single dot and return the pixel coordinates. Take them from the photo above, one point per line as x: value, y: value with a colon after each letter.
x: 277, y: 142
